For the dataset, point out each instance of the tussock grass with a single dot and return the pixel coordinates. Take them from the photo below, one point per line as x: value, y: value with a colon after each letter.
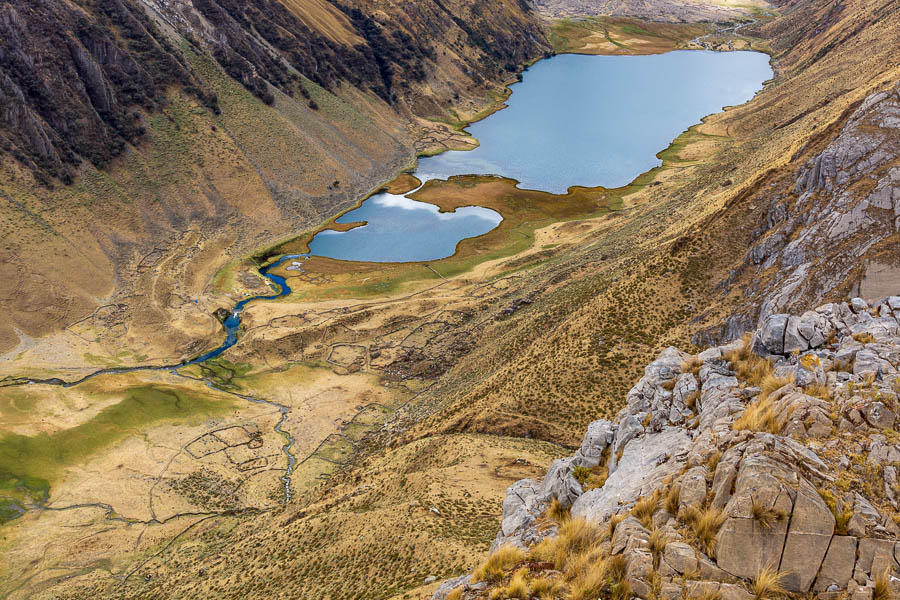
x: 613, y: 523
x: 493, y: 568
x: 705, y: 525
x: 708, y: 594
x: 657, y: 543
x: 818, y: 390
x: 767, y: 584
x: 864, y: 338
x: 673, y: 499
x: 644, y: 508
x: 575, y: 537
x: 882, y: 590
x: 518, y: 585
x: 591, y: 478
x: 456, y: 594
x: 691, y: 364
x: 557, y: 512
x: 766, y: 516
x: 713, y: 461
x: 842, y: 514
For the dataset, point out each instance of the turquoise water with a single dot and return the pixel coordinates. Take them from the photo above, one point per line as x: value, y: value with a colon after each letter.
x: 573, y: 120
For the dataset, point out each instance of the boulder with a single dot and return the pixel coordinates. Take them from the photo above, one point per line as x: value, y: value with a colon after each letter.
x: 693, y: 487
x: 677, y: 558
x: 771, y: 334
x: 559, y: 484
x: 598, y: 437
x: 743, y: 545
x: 837, y: 567
x: 646, y: 462
x: 808, y: 537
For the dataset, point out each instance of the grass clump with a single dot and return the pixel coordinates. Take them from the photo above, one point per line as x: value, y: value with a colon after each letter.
x: 767, y: 584
x: 557, y: 512
x: 575, y: 537
x: 673, y: 499
x: 644, y: 508
x: 456, y: 594
x: 842, y: 514
x: 503, y: 559
x: 864, y: 338
x: 882, y: 589
x: 713, y: 461
x: 705, y: 525
x: 691, y: 364
x: 613, y: 523
x: 518, y: 585
x: 766, y: 516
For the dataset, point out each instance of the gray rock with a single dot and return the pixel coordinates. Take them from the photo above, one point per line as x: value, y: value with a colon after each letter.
x: 837, y: 568
x: 559, y: 484
x: 771, y: 334
x: 693, y: 487
x: 811, y: 528
x: 678, y: 558
x: 448, y: 586
x: 878, y: 415
x: 646, y: 462
x: 598, y: 437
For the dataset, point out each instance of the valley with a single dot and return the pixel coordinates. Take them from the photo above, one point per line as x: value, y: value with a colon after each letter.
x: 356, y: 434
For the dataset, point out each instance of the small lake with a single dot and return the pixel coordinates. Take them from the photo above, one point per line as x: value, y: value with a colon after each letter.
x: 573, y: 120
x: 399, y: 229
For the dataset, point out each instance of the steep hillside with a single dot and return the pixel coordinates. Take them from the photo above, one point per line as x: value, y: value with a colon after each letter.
x: 393, y: 405
x: 757, y: 469
x: 134, y: 133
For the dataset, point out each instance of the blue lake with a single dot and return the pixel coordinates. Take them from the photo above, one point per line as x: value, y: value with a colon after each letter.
x: 573, y: 120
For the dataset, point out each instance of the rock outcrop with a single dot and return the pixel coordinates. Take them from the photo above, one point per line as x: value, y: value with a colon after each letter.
x: 783, y: 440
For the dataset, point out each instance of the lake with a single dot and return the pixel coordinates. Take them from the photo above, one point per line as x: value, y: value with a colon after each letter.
x: 573, y: 120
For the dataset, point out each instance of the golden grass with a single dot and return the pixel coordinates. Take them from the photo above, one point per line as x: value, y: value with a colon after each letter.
x: 713, y: 461
x: 691, y: 364
x: 658, y: 542
x: 613, y: 523
x: 882, y: 589
x: 644, y: 508
x: 864, y: 338
x: 503, y: 559
x: 557, y: 512
x: 518, y: 585
x: 708, y: 594
x: 766, y: 516
x: 767, y: 584
x: 456, y: 594
x: 705, y: 525
x: 575, y: 537
x: 818, y: 390
x: 673, y: 499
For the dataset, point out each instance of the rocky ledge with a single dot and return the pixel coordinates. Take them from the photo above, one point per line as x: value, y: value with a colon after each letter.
x: 773, y: 457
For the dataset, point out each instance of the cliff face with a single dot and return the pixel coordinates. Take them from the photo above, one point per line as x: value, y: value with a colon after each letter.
x: 770, y: 455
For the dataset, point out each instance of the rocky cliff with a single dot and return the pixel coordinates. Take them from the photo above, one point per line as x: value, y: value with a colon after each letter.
x: 760, y: 467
